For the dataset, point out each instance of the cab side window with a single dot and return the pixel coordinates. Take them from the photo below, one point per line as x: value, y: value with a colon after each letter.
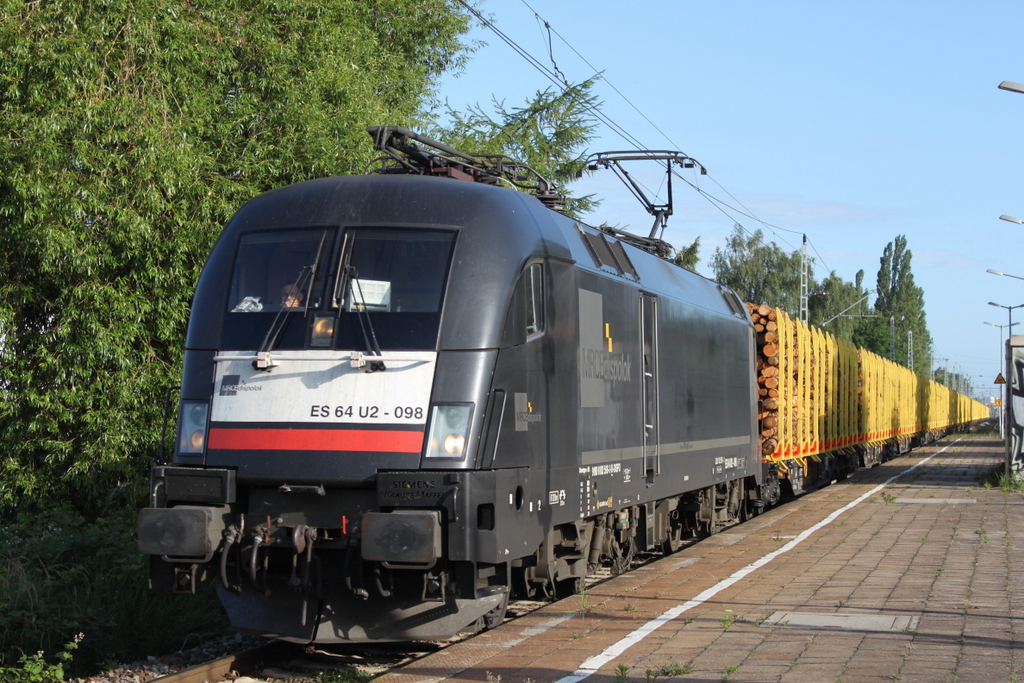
x: 534, y: 283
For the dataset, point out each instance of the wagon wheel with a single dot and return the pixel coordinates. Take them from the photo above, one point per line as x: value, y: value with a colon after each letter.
x: 675, y: 535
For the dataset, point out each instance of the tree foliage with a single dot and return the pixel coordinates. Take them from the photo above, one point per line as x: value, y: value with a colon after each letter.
x: 900, y: 307
x: 131, y: 130
x: 764, y: 273
x: 688, y: 257
x: 835, y: 304
x: 549, y: 133
x: 759, y: 272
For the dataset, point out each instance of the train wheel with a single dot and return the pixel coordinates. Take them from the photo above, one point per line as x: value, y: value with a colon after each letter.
x: 674, y: 541
x: 706, y: 523
x: 622, y: 556
x: 496, y: 616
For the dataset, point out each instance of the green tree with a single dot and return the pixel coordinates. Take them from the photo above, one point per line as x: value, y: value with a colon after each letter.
x: 688, y: 257
x: 131, y: 130
x: 550, y: 134
x: 873, y: 335
x: 836, y: 302
x: 900, y: 305
x: 758, y: 272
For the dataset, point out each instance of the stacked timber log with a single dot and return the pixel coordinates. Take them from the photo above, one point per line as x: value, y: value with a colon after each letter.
x: 766, y: 325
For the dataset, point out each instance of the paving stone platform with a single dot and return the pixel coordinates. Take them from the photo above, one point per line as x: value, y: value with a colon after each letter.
x: 921, y: 580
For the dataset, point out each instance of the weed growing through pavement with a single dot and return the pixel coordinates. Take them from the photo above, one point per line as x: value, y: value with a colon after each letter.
x: 674, y: 669
x: 652, y: 676
x: 630, y: 607
x: 585, y: 604
x: 983, y: 535
x: 888, y: 497
x: 621, y: 674
x: 1011, y: 484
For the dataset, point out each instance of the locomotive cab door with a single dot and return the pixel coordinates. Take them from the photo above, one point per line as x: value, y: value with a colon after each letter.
x: 649, y: 345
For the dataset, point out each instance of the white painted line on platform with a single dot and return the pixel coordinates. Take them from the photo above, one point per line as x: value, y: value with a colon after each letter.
x: 591, y: 666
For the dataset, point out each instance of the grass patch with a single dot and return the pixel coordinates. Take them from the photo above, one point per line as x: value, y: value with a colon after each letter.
x: 676, y: 669
x: 62, y: 575
x: 998, y: 479
x: 345, y: 676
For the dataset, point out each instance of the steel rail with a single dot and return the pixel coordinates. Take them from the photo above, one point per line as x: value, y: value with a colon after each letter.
x: 246, y: 661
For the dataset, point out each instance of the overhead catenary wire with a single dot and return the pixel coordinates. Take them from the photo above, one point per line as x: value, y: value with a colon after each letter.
x: 550, y: 75
x: 604, y: 78
x: 556, y: 76
x: 718, y: 203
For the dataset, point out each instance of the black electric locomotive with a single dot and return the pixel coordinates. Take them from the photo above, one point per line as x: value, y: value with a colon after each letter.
x: 406, y: 397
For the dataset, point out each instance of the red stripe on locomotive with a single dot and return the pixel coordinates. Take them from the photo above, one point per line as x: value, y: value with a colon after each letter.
x: 377, y: 441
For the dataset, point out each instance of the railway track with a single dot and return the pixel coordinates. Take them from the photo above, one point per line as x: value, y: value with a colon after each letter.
x: 292, y: 662
x: 289, y: 662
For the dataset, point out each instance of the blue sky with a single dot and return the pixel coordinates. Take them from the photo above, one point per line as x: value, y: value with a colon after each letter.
x: 848, y: 122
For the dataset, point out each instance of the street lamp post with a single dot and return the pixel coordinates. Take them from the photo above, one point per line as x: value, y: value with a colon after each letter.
x: 1002, y: 390
x: 999, y: 272
x: 1009, y: 309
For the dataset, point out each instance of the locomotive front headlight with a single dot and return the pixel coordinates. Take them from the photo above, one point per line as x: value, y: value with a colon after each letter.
x: 192, y: 426
x: 323, y: 331
x: 449, y: 427
x: 453, y: 444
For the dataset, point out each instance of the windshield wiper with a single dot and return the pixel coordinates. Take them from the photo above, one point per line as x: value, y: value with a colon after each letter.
x: 372, y: 347
x: 303, y: 282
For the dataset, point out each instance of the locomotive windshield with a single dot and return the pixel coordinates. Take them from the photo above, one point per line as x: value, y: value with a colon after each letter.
x: 331, y: 290
x: 273, y: 271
